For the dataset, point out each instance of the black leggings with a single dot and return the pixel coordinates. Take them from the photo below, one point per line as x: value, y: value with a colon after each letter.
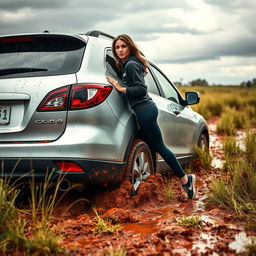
x: 147, y: 120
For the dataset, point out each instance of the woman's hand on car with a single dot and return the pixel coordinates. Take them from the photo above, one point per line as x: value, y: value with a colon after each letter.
x: 116, y: 84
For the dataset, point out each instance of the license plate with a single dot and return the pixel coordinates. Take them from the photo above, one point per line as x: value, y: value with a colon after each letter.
x: 5, y: 114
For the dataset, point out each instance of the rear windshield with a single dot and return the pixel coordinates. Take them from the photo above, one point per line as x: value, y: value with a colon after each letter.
x: 26, y: 56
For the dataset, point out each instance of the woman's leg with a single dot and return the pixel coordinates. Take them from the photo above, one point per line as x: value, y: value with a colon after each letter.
x: 147, y: 119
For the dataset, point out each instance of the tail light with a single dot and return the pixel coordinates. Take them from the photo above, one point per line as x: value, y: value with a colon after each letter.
x: 88, y: 95
x: 69, y: 167
x: 81, y: 96
x: 55, y: 100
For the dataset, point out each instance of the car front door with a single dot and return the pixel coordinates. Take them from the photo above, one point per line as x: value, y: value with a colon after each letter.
x: 165, y: 119
x: 180, y: 116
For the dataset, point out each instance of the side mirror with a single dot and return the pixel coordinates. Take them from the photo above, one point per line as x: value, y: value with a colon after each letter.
x: 192, y: 98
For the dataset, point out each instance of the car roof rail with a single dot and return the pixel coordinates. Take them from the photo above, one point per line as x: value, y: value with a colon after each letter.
x: 97, y: 33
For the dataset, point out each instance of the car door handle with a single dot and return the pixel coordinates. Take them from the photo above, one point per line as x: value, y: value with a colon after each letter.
x: 176, y: 111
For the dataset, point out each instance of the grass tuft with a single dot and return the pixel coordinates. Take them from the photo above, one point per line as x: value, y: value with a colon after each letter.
x: 230, y: 148
x: 114, y: 251
x: 250, y: 152
x: 168, y: 189
x: 226, y: 125
x: 204, y: 157
x: 104, y: 226
x: 193, y: 221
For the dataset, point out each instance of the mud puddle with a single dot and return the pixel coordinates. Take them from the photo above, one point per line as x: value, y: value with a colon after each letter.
x: 148, y: 221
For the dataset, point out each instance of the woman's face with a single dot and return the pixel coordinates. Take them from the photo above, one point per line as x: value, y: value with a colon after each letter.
x: 122, y: 50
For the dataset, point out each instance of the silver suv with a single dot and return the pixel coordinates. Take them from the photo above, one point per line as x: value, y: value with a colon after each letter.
x: 58, y: 112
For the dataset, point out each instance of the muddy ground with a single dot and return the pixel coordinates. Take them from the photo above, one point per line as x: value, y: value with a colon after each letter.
x: 148, y: 221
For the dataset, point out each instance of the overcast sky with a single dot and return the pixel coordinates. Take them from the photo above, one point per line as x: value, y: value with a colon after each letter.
x: 188, y: 39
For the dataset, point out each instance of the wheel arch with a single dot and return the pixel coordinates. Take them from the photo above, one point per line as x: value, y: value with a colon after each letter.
x: 204, y: 131
x: 138, y: 135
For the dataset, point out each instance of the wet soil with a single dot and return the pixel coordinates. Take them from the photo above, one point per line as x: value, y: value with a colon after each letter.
x: 148, y: 220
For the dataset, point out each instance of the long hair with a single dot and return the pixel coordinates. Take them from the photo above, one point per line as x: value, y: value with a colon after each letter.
x: 134, y: 50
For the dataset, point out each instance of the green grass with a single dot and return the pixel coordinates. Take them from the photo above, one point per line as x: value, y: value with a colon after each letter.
x: 204, y: 157
x: 250, y: 152
x: 114, y: 251
x: 251, y: 248
x: 226, y: 125
x: 168, y: 189
x: 236, y: 189
x: 193, y: 221
x: 230, y: 148
x: 8, y: 211
x: 215, y: 100
x: 30, y: 231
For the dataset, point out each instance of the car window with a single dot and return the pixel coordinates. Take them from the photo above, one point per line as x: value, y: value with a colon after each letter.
x: 150, y: 83
x: 167, y: 88
x: 110, y: 64
x: 40, y: 55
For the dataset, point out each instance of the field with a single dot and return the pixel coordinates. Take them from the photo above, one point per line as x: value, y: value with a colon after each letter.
x: 158, y: 220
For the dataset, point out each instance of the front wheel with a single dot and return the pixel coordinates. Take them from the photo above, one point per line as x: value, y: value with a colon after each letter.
x: 139, y: 164
x: 203, y: 143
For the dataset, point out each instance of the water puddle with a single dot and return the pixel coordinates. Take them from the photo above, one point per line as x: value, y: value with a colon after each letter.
x: 143, y: 229
x: 241, y: 240
x: 205, y: 241
x: 217, y: 163
x: 240, y: 140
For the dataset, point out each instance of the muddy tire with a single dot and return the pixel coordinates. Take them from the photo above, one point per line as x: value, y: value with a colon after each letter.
x: 139, y: 164
x: 203, y: 143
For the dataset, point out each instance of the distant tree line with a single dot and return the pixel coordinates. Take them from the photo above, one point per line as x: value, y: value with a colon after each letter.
x: 196, y: 82
x: 203, y: 82
x: 199, y: 82
x: 249, y: 83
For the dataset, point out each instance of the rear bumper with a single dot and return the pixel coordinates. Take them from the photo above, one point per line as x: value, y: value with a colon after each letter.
x: 94, y: 171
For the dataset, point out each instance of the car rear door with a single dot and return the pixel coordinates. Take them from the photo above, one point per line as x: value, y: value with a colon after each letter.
x: 32, y: 68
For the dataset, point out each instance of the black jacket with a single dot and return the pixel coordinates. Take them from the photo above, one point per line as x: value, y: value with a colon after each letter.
x: 133, y: 78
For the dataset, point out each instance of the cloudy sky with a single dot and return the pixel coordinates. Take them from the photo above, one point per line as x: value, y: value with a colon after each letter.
x: 187, y: 39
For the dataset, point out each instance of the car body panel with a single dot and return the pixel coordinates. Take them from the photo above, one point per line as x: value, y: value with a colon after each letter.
x: 98, y: 138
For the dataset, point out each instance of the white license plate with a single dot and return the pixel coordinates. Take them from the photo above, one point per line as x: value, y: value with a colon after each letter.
x: 5, y: 114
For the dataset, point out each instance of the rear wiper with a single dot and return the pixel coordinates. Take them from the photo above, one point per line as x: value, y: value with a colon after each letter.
x: 10, y: 71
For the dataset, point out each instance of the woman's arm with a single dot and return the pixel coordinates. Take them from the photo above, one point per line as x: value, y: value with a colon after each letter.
x: 135, y: 83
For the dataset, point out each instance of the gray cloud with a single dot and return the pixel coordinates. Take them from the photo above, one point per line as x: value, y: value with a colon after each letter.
x: 240, y: 47
x: 123, y: 7
x: 10, y: 5
x: 231, y: 4
x: 147, y: 21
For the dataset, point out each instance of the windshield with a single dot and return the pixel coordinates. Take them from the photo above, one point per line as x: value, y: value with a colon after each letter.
x: 24, y: 56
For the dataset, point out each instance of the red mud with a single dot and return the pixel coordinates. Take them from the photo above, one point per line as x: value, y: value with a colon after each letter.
x: 148, y: 220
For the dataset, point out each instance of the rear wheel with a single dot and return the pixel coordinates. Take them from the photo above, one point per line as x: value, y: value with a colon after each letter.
x: 139, y: 165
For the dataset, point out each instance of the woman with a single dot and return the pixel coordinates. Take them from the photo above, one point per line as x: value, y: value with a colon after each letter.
x: 133, y: 67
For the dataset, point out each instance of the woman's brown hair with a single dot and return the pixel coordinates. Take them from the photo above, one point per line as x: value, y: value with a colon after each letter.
x: 134, y: 50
